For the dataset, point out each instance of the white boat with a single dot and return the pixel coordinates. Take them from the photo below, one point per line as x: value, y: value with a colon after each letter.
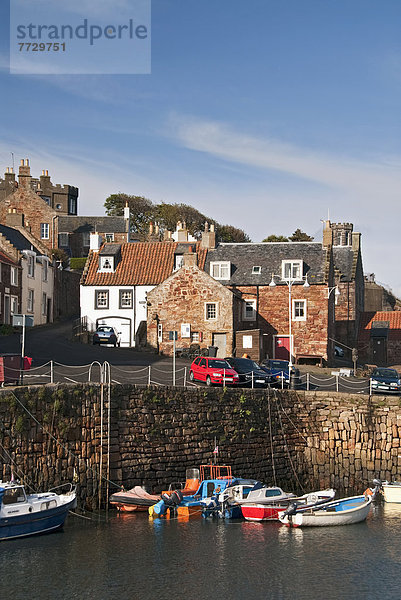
x: 271, y: 502
x: 24, y: 514
x: 391, y: 491
x: 340, y: 512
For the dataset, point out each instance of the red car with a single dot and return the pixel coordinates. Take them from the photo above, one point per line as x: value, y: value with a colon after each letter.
x: 213, y: 371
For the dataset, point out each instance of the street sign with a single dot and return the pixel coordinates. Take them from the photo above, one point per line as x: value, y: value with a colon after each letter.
x: 172, y: 335
x: 18, y: 321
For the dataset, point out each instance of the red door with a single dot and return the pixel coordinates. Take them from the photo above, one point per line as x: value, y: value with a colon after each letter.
x: 282, y: 347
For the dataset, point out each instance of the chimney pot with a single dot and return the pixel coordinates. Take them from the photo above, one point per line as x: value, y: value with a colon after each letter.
x: 22, y: 162
x: 47, y: 173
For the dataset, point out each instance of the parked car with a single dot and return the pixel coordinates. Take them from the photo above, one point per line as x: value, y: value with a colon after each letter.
x: 105, y: 334
x: 338, y: 351
x: 249, y: 370
x: 212, y: 371
x: 385, y: 380
x: 280, y: 371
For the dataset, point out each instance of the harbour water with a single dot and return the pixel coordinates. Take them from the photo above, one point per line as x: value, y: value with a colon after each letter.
x: 132, y: 557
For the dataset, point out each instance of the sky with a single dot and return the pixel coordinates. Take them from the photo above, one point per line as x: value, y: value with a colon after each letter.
x: 267, y: 115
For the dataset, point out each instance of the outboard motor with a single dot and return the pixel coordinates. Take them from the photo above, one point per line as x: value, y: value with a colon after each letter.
x: 291, y: 509
x: 176, y: 497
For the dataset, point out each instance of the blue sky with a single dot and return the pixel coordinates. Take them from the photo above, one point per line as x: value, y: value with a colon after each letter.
x: 266, y: 115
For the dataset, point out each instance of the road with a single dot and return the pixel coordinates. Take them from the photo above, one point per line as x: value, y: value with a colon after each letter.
x: 57, y: 358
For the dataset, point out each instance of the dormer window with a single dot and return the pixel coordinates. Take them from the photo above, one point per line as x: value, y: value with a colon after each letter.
x: 256, y: 270
x: 178, y: 261
x: 220, y: 270
x: 106, y: 264
x: 292, y: 270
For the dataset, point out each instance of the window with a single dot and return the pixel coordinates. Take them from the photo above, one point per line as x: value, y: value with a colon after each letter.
x: 14, y: 305
x: 44, y: 304
x: 178, y: 261
x: 72, y: 206
x: 292, y: 269
x: 256, y: 270
x: 31, y: 265
x: 125, y: 298
x: 195, y: 337
x: 86, y: 239
x: 249, y: 310
x: 109, y: 237
x: 220, y: 270
x: 14, y: 276
x: 45, y: 269
x: 299, y: 310
x: 63, y: 240
x: 58, y: 206
x: 44, y: 231
x: 30, y: 302
x: 106, y: 264
x: 210, y: 311
x: 101, y: 299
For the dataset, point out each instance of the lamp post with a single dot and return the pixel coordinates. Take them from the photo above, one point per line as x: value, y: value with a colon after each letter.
x: 290, y: 282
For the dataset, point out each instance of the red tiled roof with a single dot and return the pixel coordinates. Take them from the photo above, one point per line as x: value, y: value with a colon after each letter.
x: 393, y: 318
x: 5, y: 259
x: 141, y: 263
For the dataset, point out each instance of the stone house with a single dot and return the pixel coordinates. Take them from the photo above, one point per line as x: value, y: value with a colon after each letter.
x: 379, y: 341
x: 118, y: 277
x: 200, y: 309
x: 35, y: 204
x: 36, y: 272
x: 74, y: 232
x: 10, y: 288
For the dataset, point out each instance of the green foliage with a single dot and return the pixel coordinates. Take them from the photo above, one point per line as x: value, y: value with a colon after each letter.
x: 300, y: 236
x: 275, y: 238
x: 6, y: 329
x: 60, y: 255
x: 20, y: 424
x: 77, y: 264
x: 228, y: 233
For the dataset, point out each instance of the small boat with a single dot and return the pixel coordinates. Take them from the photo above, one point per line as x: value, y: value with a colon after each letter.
x: 213, y: 480
x: 138, y: 499
x: 267, y: 503
x: 22, y: 515
x: 340, y: 512
x: 227, y: 504
x: 391, y: 490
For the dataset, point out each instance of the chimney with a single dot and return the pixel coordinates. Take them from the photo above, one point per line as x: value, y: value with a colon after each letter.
x: 14, y: 219
x: 45, y: 180
x: 208, y: 237
x: 95, y: 241
x: 127, y: 220
x: 182, y: 232
x: 24, y: 174
x: 167, y: 236
x: 190, y: 258
x: 327, y: 234
x: 9, y: 176
x: 356, y: 241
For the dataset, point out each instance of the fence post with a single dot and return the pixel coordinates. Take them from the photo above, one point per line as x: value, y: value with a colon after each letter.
x: 252, y: 378
x: 337, y: 376
x: 370, y: 386
x: 185, y: 376
x: 307, y: 381
x: 224, y: 377
x: 282, y: 380
x: 149, y: 375
x: 51, y: 372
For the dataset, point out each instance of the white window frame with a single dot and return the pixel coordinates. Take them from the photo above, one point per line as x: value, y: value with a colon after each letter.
x: 30, y: 304
x: 102, y: 305
x: 86, y: 239
x: 302, y: 302
x: 31, y: 258
x: 195, y: 337
x: 256, y: 270
x: 106, y: 264
x: 178, y: 261
x: 14, y: 276
x: 109, y: 237
x: 220, y: 270
x: 245, y: 315
x: 129, y: 295
x: 14, y: 305
x: 216, y: 305
x: 159, y: 332
x: 44, y: 231
x: 45, y: 268
x: 295, y: 268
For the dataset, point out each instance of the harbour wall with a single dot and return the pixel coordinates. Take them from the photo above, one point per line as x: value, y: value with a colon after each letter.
x: 150, y: 436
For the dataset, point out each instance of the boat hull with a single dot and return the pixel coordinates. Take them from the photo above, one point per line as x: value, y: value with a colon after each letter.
x: 35, y: 523
x: 261, y: 512
x: 343, y: 512
x: 392, y: 493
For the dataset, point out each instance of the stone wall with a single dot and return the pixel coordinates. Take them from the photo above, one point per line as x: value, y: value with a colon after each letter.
x: 319, y: 439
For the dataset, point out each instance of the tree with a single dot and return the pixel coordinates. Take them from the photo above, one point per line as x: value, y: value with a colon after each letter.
x: 300, y: 236
x: 142, y: 210
x: 275, y: 238
x: 229, y: 233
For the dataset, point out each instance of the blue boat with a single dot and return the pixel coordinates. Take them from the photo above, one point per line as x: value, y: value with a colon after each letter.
x: 23, y: 515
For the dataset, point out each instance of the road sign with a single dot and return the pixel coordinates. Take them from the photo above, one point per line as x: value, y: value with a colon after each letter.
x: 172, y: 335
x: 18, y: 321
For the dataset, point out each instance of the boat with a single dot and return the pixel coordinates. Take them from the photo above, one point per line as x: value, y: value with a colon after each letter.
x: 213, y: 480
x: 24, y: 514
x: 227, y: 504
x: 267, y: 503
x: 345, y: 511
x: 391, y: 490
x: 138, y: 499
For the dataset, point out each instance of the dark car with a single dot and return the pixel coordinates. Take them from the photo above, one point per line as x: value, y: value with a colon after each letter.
x: 212, y: 371
x: 105, y: 334
x: 250, y: 373
x: 385, y: 380
x: 280, y: 371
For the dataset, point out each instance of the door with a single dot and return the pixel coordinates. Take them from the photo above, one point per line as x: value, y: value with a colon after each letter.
x: 282, y: 347
x: 220, y: 341
x: 379, y: 351
x: 122, y: 325
x: 7, y: 310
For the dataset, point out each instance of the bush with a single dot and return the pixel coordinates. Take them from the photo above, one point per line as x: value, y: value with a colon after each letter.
x: 6, y: 329
x: 78, y: 264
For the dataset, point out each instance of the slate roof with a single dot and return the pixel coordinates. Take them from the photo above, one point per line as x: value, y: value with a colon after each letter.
x: 343, y: 257
x: 74, y: 224
x: 269, y: 256
x: 17, y: 239
x: 142, y: 263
